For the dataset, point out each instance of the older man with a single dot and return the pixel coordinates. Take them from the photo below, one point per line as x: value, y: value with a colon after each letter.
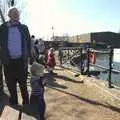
x: 15, y: 44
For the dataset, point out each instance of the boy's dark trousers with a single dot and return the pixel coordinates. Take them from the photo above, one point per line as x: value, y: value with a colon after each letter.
x: 40, y: 103
x: 16, y: 71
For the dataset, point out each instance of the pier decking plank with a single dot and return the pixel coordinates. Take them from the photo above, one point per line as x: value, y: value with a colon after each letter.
x: 9, y: 113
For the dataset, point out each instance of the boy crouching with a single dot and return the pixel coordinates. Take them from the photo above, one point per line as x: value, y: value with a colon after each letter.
x: 37, y: 85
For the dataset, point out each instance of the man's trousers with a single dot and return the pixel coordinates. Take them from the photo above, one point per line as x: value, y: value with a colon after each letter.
x: 1, y: 80
x: 16, y: 71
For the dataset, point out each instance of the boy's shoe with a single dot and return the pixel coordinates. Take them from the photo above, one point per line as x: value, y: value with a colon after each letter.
x: 77, y: 75
x: 53, y: 73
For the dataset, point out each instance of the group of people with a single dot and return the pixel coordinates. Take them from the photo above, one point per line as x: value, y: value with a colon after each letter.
x: 42, y: 55
x: 17, y: 49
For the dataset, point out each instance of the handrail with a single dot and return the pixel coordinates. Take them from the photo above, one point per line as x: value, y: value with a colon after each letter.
x: 100, y: 51
x: 70, y: 48
x: 106, y: 68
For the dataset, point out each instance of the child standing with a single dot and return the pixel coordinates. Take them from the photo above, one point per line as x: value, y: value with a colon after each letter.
x: 37, y: 85
x: 51, y: 60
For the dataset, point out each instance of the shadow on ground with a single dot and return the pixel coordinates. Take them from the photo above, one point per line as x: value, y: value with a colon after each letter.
x: 51, y: 81
x: 113, y: 108
x: 31, y: 110
x: 68, y: 79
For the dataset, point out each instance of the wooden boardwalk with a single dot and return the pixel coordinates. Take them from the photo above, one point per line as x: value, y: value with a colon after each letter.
x: 68, y: 98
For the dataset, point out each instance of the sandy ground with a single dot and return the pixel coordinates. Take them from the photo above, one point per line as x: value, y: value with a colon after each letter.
x: 72, y: 98
x: 68, y: 98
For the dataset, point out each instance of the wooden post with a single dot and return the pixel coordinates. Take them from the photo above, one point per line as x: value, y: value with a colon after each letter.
x: 9, y: 113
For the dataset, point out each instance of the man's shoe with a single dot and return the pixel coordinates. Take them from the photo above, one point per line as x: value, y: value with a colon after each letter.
x: 25, y: 102
x: 1, y: 92
x: 13, y: 102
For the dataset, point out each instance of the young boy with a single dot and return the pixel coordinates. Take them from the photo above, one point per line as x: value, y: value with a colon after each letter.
x: 37, y: 85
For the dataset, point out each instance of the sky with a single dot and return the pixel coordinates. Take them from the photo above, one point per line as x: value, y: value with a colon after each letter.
x: 70, y: 17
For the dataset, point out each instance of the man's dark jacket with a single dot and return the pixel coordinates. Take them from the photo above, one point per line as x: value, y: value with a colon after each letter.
x: 26, y: 42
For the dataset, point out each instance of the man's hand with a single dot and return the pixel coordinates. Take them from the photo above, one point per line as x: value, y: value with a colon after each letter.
x: 31, y: 60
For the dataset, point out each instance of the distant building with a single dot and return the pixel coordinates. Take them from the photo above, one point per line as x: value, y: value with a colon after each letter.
x: 100, y: 38
x: 107, y: 38
x: 60, y: 41
x: 83, y: 38
x: 61, y: 38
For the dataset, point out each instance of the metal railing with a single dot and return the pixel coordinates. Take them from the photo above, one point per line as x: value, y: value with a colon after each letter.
x: 69, y: 54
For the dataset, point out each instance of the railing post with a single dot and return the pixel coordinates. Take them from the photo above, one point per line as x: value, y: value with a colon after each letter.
x: 68, y: 54
x: 81, y: 61
x: 110, y: 67
x: 88, y: 61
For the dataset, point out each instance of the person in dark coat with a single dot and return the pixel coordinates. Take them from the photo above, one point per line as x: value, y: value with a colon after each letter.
x: 15, y: 46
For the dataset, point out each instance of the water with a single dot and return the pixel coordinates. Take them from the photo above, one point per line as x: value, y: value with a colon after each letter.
x: 103, y: 60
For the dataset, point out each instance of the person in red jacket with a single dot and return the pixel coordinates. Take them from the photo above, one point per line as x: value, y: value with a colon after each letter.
x: 51, y: 60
